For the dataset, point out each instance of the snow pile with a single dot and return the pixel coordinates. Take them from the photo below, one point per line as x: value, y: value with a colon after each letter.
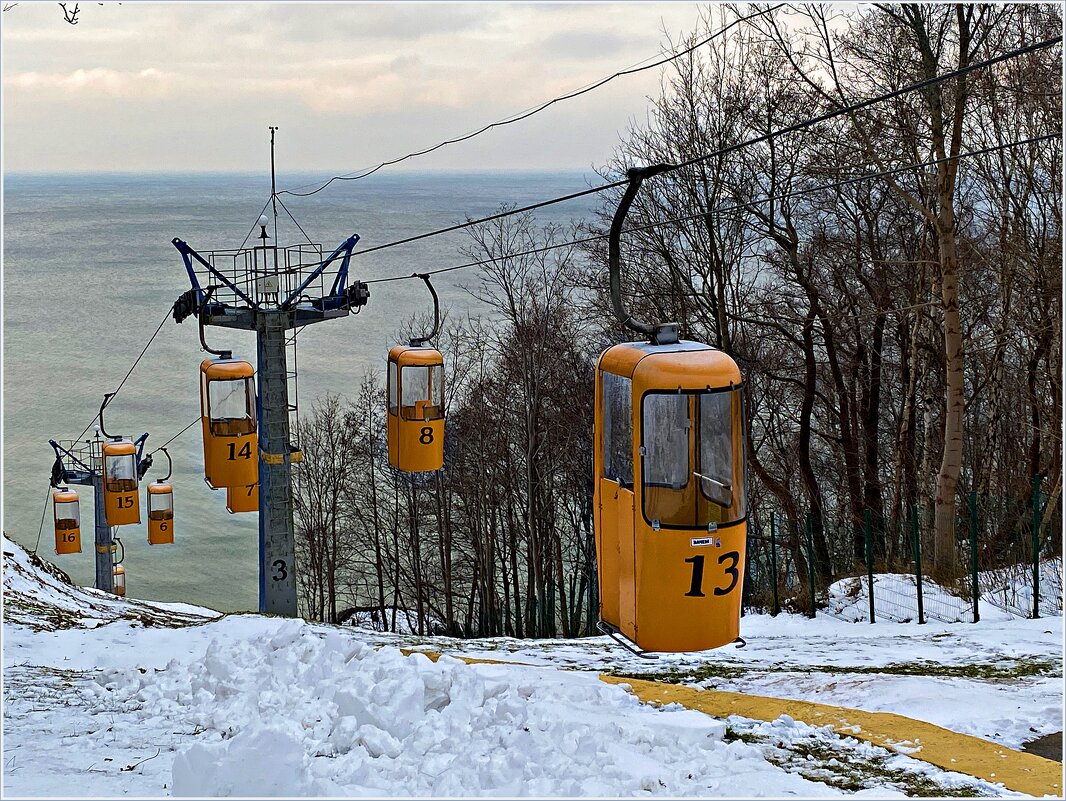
x: 294, y: 712
x: 931, y: 672
x: 106, y: 697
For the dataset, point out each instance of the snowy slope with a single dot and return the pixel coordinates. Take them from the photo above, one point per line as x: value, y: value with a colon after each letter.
x: 1005, y: 594
x: 997, y: 679
x: 39, y: 595
x: 105, y: 697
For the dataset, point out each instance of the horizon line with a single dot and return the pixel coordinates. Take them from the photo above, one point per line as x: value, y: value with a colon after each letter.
x: 249, y: 172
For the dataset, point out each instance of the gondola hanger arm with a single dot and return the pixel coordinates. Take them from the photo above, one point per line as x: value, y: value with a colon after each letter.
x: 224, y: 354
x: 658, y: 333
x: 170, y: 466
x: 417, y: 342
x: 107, y: 399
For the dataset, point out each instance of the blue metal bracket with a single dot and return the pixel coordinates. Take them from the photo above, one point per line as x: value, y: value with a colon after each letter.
x: 60, y: 451
x: 83, y: 476
x: 188, y: 254
x: 342, y: 274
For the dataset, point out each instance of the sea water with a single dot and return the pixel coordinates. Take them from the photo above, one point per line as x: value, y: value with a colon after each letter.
x: 90, y: 272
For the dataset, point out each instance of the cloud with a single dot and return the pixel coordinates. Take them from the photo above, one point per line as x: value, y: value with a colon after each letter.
x: 583, y: 44
x: 147, y: 82
x: 374, y: 22
x: 391, y: 71
x: 370, y: 91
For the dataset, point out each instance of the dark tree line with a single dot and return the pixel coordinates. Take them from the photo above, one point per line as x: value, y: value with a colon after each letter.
x: 901, y: 336
x: 500, y: 541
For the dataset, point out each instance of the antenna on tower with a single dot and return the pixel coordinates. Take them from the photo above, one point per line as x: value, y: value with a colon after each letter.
x: 274, y: 185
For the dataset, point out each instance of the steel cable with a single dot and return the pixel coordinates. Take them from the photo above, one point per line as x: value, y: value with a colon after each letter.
x: 132, y: 367
x: 671, y: 221
x: 722, y: 151
x: 535, y: 110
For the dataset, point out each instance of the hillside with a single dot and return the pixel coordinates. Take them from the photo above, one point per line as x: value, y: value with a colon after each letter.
x: 114, y: 697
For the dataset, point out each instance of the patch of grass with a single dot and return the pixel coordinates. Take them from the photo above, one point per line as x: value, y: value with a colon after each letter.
x: 843, y: 767
x: 694, y: 674
x: 1007, y: 669
x: 43, y: 686
x: 38, y: 616
x: 991, y: 671
x: 41, y: 616
x: 732, y: 735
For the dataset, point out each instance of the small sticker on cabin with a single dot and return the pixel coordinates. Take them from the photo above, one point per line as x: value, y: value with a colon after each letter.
x: 702, y: 542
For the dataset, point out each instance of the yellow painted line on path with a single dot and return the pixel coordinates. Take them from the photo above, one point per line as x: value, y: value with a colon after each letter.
x: 950, y: 750
x: 434, y: 656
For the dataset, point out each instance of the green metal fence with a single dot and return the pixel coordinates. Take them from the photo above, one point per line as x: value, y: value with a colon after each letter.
x: 1007, y: 562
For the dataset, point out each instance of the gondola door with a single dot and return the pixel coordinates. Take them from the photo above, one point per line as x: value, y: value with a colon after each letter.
x: 614, y: 501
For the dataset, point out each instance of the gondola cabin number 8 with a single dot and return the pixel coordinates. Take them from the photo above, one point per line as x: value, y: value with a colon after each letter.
x: 415, y: 426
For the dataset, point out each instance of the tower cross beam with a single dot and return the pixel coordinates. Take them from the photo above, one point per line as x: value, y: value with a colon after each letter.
x: 279, y: 304
x: 270, y: 317
x: 342, y: 274
x: 187, y: 254
x: 91, y: 476
x: 60, y: 450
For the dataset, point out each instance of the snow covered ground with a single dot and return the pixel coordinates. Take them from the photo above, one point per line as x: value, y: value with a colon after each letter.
x: 105, y: 697
x: 1001, y: 680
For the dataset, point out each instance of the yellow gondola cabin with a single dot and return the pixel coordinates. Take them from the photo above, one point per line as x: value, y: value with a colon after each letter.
x: 160, y: 513
x: 122, y: 503
x: 670, y: 472
x: 242, y: 499
x: 669, y: 495
x: 118, y: 580
x: 67, y: 516
x: 228, y: 417
x: 415, y: 419
x: 415, y: 424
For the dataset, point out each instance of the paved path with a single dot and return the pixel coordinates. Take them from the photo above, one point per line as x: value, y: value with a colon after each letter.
x: 1015, y: 770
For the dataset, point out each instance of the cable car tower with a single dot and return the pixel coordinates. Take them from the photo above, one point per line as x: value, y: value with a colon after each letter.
x: 272, y: 290
x: 86, y: 462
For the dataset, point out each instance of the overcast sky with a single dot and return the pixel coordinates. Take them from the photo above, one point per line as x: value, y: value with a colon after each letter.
x: 193, y: 86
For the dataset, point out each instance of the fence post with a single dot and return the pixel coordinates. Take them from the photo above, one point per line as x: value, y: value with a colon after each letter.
x: 917, y: 561
x: 1036, y: 545
x: 809, y: 523
x: 973, y: 556
x: 773, y: 562
x: 868, y: 536
x: 745, y: 590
